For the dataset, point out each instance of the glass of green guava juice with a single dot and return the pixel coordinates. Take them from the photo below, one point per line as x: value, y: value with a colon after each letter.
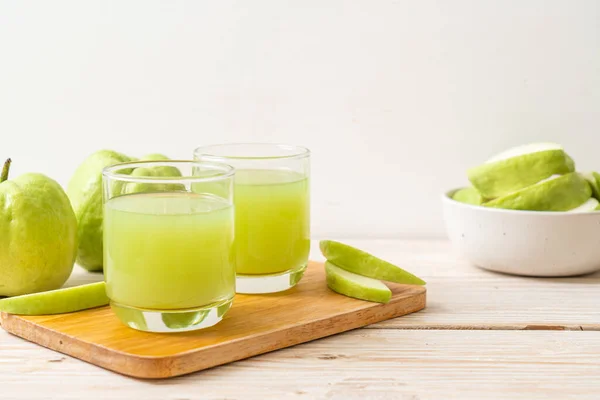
x: 169, y: 259
x: 272, y: 212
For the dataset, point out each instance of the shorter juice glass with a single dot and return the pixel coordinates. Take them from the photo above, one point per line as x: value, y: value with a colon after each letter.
x: 169, y: 261
x: 272, y: 212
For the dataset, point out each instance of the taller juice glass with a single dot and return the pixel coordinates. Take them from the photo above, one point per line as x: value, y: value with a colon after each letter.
x: 272, y: 212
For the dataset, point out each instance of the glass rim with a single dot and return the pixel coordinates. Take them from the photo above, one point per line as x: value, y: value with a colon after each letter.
x: 300, y: 151
x: 226, y: 171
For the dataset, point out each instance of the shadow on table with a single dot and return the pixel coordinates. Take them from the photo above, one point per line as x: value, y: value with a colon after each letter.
x: 593, y: 277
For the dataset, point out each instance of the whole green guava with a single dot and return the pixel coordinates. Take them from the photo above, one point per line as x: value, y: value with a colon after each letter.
x: 85, y: 192
x: 38, y: 231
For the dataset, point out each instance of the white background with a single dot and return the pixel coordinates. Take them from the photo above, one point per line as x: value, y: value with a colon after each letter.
x: 395, y: 98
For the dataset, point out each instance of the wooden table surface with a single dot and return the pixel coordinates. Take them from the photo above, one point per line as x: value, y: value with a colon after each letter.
x: 482, y: 336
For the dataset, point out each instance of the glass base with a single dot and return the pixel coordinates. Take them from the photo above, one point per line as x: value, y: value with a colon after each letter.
x: 256, y: 284
x: 172, y: 320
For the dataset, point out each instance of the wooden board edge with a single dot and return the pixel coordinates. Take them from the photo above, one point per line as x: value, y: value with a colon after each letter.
x: 150, y: 367
x: 91, y: 353
x: 187, y: 363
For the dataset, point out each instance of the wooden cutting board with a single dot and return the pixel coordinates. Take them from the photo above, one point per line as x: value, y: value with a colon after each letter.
x: 255, y: 324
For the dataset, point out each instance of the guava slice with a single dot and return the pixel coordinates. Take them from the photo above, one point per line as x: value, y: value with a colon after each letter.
x: 57, y: 301
x: 365, y: 264
x: 518, y: 168
x: 593, y: 179
x: 591, y: 205
x: 557, y: 193
x: 357, y: 286
x: 468, y: 195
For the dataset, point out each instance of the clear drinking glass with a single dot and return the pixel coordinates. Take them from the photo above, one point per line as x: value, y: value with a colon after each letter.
x: 169, y: 259
x: 272, y: 212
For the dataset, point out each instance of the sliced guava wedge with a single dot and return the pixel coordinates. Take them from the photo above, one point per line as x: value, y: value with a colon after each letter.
x: 468, y: 195
x: 353, y: 285
x: 57, y: 301
x: 365, y: 264
x: 557, y: 193
x: 518, y: 168
x: 593, y: 179
x: 591, y: 205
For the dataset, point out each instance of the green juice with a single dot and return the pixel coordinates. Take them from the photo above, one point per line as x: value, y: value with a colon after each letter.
x: 272, y: 221
x: 169, y: 251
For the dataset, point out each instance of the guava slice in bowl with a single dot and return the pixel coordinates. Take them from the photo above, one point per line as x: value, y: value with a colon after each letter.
x: 593, y: 179
x: 518, y: 168
x: 557, y: 193
x: 468, y: 195
x: 591, y: 205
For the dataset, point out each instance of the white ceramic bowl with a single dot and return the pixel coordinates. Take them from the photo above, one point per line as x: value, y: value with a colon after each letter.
x: 529, y: 243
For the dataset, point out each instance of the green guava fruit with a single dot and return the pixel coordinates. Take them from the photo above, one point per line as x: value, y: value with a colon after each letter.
x: 85, y: 192
x: 353, y: 285
x: 468, y: 195
x: 57, y: 301
x: 518, y: 168
x: 155, y: 172
x: 38, y: 234
x: 557, y: 193
x: 362, y: 263
x: 162, y: 171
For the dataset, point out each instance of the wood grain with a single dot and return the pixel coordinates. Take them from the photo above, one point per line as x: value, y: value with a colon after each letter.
x: 377, y: 364
x: 256, y: 324
x: 506, y: 303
